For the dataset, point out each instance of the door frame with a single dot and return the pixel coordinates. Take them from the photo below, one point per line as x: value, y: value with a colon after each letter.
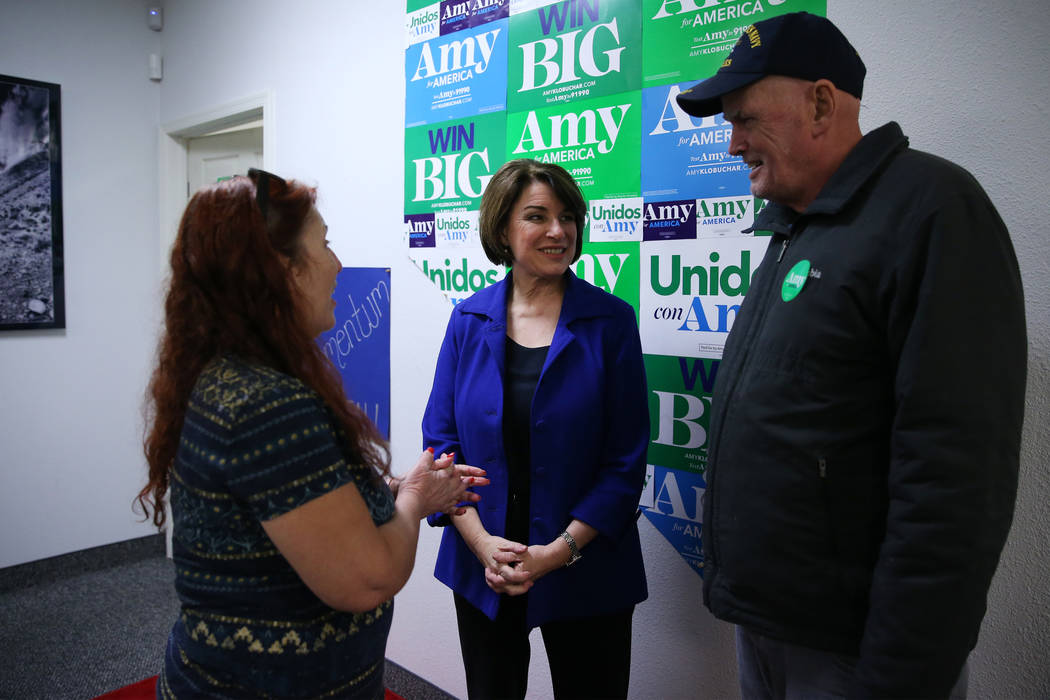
x: 172, y: 147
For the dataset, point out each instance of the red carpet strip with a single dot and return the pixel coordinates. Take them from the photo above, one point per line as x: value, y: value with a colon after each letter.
x: 147, y: 690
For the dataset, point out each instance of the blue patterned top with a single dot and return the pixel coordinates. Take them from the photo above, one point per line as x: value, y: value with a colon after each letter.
x: 256, y: 444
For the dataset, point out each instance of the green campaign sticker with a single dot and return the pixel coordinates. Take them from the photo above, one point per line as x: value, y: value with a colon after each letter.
x: 795, y: 280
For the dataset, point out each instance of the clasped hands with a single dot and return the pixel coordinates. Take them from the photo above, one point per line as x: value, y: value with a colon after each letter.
x: 440, y: 484
x: 513, y: 568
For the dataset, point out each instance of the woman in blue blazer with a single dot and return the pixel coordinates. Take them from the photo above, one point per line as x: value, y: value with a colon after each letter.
x: 540, y: 381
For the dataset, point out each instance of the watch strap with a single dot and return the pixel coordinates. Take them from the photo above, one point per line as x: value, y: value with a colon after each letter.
x: 574, y: 551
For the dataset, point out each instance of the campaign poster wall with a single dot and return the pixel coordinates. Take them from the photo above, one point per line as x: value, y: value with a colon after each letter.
x: 591, y: 85
x: 359, y: 343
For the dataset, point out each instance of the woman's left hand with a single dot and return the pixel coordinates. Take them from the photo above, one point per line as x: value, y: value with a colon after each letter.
x: 471, y: 476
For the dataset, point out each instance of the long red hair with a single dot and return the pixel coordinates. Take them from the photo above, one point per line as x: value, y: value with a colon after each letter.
x: 231, y: 292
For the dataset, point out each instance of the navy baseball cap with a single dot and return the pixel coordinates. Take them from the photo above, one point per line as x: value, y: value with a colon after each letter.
x: 796, y: 45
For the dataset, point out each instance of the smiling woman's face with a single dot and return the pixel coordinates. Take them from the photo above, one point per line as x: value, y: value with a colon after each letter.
x: 541, y: 233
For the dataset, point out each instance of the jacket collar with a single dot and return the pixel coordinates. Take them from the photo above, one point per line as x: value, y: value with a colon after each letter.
x: 582, y: 300
x: 866, y: 158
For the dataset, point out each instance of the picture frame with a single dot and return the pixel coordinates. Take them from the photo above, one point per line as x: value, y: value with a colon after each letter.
x: 32, y: 279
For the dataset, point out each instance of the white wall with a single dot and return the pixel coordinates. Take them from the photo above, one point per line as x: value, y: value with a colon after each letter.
x: 965, y: 80
x: 70, y: 400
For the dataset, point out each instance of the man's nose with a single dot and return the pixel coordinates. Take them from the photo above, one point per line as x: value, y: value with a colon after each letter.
x: 736, y: 143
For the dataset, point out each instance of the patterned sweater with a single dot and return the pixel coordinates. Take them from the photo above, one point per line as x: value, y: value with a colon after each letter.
x: 256, y: 444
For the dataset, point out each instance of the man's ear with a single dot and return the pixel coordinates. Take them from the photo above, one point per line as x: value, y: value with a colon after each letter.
x: 823, y: 105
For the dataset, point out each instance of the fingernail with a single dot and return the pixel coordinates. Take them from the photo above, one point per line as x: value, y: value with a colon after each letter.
x: 430, y: 450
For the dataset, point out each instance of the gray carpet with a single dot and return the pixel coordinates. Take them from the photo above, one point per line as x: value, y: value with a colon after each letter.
x: 89, y: 622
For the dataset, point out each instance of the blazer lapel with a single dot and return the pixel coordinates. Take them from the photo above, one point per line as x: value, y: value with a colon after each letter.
x: 571, y: 309
x: 496, y: 327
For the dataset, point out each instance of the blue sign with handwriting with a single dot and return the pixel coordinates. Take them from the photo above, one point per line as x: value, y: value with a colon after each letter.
x: 359, y: 343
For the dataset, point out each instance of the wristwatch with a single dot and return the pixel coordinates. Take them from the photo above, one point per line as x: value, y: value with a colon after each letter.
x: 574, y: 551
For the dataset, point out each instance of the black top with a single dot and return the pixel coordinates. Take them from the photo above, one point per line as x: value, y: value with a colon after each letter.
x: 523, y: 373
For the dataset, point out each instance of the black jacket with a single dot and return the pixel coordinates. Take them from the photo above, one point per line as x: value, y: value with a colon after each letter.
x: 865, y: 433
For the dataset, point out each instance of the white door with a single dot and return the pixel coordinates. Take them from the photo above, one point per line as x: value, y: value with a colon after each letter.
x: 216, y: 157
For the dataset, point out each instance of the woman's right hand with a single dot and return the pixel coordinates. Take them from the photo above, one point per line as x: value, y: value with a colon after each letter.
x: 500, y: 557
x: 438, y: 485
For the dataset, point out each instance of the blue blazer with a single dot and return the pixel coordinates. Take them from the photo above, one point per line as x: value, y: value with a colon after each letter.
x: 589, y: 434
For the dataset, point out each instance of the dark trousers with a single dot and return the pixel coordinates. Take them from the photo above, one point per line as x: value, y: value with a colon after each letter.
x: 774, y: 670
x: 589, y: 657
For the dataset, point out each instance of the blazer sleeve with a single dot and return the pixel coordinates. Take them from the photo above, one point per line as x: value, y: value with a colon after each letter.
x: 610, y: 505
x: 439, y: 419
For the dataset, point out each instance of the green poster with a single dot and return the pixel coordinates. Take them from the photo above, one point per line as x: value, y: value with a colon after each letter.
x: 574, y: 49
x: 689, y: 39
x: 613, y: 267
x: 448, y: 165
x: 597, y: 141
x: 680, y: 391
x: 414, y: 5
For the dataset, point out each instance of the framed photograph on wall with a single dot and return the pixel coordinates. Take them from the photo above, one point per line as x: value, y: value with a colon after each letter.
x: 32, y: 288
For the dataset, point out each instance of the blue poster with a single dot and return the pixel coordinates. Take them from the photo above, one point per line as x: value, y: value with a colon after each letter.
x: 669, y: 220
x: 671, y: 502
x: 457, y: 75
x: 462, y: 14
x: 685, y: 156
x: 419, y: 228
x: 359, y: 343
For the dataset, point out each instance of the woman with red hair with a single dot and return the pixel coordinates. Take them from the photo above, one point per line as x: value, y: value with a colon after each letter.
x: 289, y: 544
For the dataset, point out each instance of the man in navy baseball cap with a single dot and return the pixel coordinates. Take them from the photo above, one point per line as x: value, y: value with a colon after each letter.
x: 850, y: 440
x: 795, y: 45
